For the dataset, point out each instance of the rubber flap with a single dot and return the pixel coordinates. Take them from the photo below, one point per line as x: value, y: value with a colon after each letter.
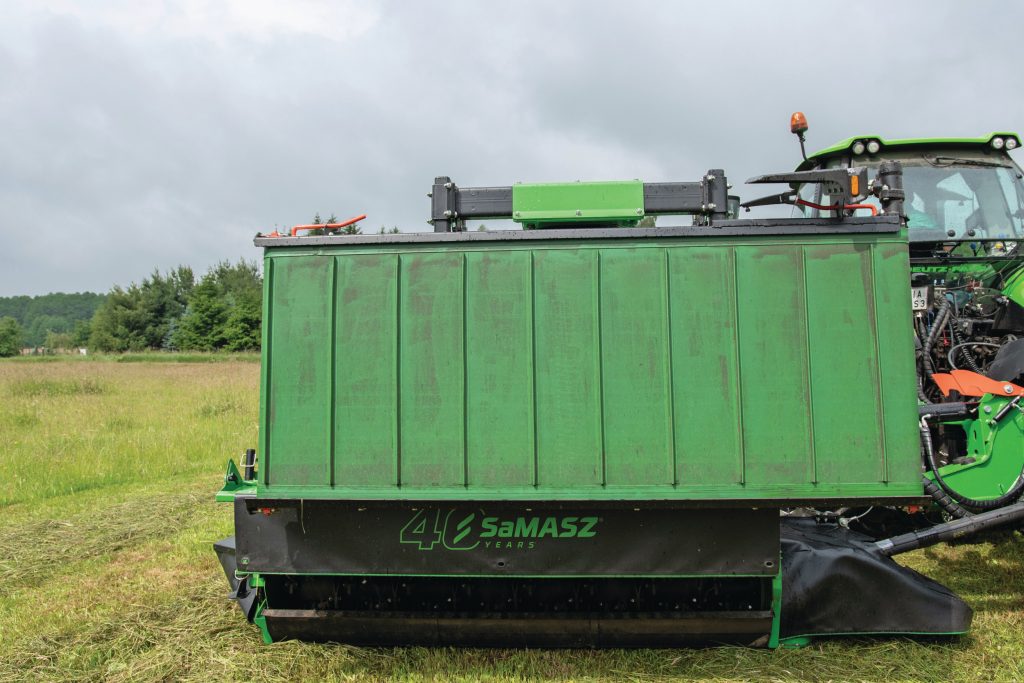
x: 835, y: 583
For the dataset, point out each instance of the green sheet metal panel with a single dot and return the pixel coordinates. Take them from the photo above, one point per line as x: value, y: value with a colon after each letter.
x: 431, y: 385
x: 499, y: 371
x: 890, y: 265
x: 705, y: 353
x: 567, y: 381
x: 636, y: 368
x: 365, y: 406
x: 299, y: 375
x: 844, y: 283
x: 775, y: 395
x: 672, y: 368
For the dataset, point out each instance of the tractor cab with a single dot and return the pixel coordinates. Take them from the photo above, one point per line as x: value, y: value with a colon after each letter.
x: 964, y: 196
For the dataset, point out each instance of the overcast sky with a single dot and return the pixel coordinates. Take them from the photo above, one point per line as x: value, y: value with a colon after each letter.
x: 140, y: 135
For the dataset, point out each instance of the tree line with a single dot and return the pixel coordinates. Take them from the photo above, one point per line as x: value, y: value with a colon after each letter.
x: 40, y: 317
x: 173, y: 312
x: 166, y: 311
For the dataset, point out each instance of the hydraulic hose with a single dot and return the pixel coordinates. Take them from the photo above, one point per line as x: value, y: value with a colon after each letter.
x: 950, y: 531
x: 919, y: 334
x: 966, y: 354
x: 942, y: 500
x: 936, y: 492
x: 958, y: 343
x: 921, y: 396
x: 933, y: 334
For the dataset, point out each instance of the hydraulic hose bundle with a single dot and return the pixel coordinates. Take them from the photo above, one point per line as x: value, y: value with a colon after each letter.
x: 941, y: 317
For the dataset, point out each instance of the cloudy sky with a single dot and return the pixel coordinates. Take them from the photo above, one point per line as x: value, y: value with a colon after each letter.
x: 141, y: 135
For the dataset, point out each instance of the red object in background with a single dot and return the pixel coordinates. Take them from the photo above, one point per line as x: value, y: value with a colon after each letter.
x: 833, y: 207
x: 328, y: 226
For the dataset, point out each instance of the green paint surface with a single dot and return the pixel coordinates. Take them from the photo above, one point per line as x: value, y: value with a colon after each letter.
x: 705, y: 353
x: 617, y: 202
x: 568, y: 369
x: 366, y: 407
x: 681, y: 369
x: 995, y: 450
x: 1014, y: 288
x: 499, y: 371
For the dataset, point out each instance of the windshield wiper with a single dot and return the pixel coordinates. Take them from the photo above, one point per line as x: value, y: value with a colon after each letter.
x: 959, y: 161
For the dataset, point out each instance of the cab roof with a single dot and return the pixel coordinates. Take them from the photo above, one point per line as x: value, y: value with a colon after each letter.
x: 904, y: 143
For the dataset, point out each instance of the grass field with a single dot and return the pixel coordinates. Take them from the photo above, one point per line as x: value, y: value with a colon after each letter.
x: 107, y: 475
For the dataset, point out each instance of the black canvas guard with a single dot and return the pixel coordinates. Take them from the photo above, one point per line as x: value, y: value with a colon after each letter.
x: 834, y: 582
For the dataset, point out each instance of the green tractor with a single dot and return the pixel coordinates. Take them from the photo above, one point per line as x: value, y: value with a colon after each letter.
x: 964, y: 205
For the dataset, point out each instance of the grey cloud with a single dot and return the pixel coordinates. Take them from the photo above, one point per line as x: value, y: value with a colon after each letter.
x: 126, y: 146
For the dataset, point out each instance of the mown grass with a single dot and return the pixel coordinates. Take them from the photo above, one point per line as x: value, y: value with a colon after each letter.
x: 107, y: 572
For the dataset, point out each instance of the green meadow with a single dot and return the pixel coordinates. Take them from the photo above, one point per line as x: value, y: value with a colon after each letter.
x: 107, y: 476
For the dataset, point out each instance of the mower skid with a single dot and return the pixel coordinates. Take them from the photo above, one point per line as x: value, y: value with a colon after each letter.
x: 241, y: 592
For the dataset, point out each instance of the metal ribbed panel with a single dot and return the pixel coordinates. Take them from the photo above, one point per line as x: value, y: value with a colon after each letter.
x: 682, y: 369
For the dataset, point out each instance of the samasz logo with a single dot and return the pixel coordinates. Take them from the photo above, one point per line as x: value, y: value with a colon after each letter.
x: 462, y: 530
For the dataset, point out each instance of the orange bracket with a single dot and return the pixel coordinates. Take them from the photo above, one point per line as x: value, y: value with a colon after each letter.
x: 328, y: 226
x: 972, y: 384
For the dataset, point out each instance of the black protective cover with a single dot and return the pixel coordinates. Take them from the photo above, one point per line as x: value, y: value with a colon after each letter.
x: 834, y: 582
x: 1009, y: 363
x: 337, y: 537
